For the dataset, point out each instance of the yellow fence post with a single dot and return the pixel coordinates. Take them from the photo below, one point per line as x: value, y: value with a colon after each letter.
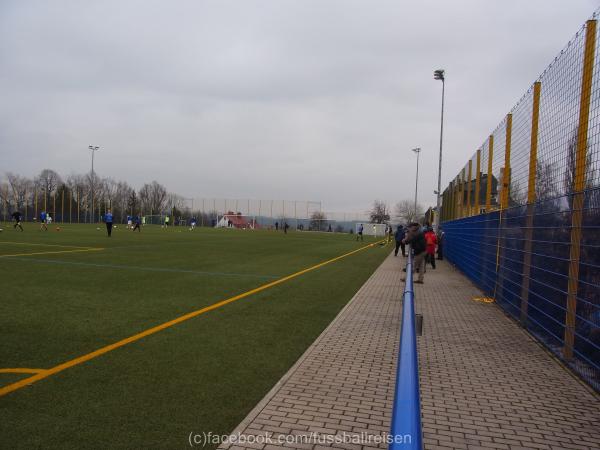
x: 462, y: 193
x: 506, y: 176
x: 451, y: 201
x: 578, y: 194
x: 455, y: 199
x: 459, y: 195
x: 469, y: 211
x: 535, y: 116
x: 477, y: 182
x: 488, y: 189
x: 503, y: 205
x: 444, y: 210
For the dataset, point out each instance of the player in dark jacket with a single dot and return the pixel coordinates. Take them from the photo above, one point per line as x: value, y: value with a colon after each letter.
x: 17, y: 217
x: 398, y: 236
x: 416, y: 239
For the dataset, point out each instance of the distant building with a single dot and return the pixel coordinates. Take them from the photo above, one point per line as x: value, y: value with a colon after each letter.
x: 236, y: 220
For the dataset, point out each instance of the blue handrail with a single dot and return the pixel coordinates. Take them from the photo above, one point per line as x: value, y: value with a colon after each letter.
x: 406, y: 416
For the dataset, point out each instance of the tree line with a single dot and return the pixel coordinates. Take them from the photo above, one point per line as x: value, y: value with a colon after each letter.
x: 73, y: 196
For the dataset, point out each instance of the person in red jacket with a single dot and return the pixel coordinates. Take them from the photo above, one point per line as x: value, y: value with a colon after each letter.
x: 431, y: 240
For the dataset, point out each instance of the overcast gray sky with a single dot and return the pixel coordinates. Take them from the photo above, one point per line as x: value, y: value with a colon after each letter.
x: 307, y: 100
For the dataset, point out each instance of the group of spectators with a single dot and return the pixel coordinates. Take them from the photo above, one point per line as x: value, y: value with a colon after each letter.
x: 424, y: 242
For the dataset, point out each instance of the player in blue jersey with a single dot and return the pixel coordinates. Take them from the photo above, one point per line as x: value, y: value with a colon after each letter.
x: 43, y: 225
x: 137, y: 221
x: 108, y: 219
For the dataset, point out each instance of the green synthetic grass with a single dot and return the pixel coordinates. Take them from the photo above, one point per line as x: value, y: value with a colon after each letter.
x: 202, y: 375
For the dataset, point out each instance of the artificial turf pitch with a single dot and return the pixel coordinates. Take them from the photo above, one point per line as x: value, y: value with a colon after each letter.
x: 62, y: 298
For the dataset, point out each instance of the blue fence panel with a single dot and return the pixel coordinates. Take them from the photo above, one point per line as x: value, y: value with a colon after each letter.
x: 490, y: 248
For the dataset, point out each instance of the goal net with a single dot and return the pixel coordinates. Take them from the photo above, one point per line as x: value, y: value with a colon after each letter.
x: 372, y: 229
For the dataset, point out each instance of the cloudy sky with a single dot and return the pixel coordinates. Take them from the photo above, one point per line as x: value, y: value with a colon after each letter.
x: 279, y: 99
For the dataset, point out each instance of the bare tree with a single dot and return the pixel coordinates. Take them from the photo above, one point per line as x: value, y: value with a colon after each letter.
x: 589, y: 171
x: 78, y: 185
x: 317, y: 219
x: 48, y: 180
x: 5, y: 196
x: 120, y: 200
x: 516, y: 195
x: 95, y: 191
x: 153, y: 197
x: 406, y: 212
x: 545, y: 183
x: 133, y: 202
x: 47, y: 183
x: 19, y: 188
x: 174, y: 201
x: 109, y: 192
x: 379, y: 212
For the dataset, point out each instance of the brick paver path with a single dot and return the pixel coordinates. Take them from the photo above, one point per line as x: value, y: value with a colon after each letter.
x: 485, y: 383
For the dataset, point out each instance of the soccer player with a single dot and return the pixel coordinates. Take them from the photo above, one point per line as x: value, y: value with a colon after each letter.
x: 415, y: 237
x: 136, y: 221
x: 17, y: 217
x: 129, y: 222
x: 43, y: 225
x: 167, y: 218
x: 108, y: 219
x: 360, y: 232
x: 193, y: 223
x: 48, y: 219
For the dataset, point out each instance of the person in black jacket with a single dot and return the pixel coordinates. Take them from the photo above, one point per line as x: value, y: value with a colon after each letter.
x: 399, y: 235
x: 416, y: 239
x: 440, y: 251
x: 17, y: 217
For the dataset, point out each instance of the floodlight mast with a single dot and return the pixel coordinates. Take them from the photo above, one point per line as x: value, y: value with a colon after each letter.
x: 418, y: 152
x: 440, y: 75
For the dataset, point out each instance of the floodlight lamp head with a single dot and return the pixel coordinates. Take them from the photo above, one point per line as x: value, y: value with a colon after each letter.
x: 416, y: 150
x: 439, y: 74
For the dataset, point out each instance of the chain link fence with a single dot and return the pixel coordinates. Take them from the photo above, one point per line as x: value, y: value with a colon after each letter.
x: 522, y: 219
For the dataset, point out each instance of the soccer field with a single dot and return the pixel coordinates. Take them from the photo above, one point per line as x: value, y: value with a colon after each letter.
x: 137, y: 340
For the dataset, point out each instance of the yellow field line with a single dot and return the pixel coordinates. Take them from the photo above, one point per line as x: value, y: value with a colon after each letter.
x: 81, y: 359
x: 91, y: 249
x: 22, y: 370
x: 41, y: 245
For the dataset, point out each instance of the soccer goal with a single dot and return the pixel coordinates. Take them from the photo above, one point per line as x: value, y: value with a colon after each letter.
x: 154, y: 219
x: 371, y: 229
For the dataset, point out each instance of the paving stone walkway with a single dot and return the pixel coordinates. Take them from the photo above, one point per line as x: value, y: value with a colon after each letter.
x: 485, y: 383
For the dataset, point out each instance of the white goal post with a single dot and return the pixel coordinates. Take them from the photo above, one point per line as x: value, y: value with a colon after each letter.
x: 371, y: 229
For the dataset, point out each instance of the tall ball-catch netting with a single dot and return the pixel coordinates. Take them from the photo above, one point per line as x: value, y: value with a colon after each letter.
x: 371, y: 229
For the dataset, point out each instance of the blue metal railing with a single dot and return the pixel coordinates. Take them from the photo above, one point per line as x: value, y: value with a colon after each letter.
x: 405, y: 431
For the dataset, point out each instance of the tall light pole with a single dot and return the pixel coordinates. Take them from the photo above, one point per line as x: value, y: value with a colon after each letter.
x: 418, y: 152
x: 94, y: 149
x: 439, y: 75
